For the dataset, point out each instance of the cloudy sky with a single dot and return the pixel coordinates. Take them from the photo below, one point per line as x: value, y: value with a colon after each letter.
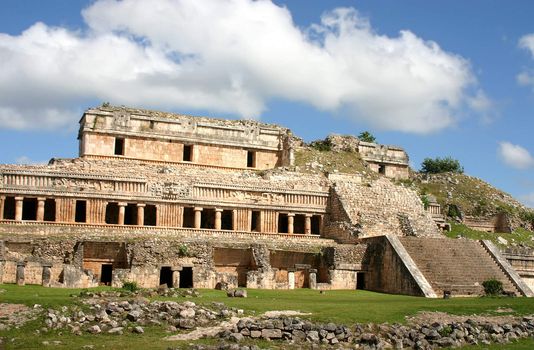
x: 454, y: 78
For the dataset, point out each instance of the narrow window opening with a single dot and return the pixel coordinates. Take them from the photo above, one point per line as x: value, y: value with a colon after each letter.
x: 188, y: 153
x: 227, y: 220
x: 9, y: 208
x: 165, y: 276
x: 81, y: 211
x: 255, y: 225
x: 150, y: 215
x: 186, y: 277
x: 189, y: 217
x: 106, y: 274
x: 251, y: 159
x: 282, y: 223
x: 50, y: 210
x: 112, y: 213
x: 29, y: 209
x: 119, y: 146
x: 316, y: 225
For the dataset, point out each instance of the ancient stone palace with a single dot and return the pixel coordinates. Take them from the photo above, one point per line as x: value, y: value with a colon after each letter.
x: 159, y: 198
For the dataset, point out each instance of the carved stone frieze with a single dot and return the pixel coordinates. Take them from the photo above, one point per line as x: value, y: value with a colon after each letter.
x: 257, y: 197
x: 83, y: 184
x: 170, y: 190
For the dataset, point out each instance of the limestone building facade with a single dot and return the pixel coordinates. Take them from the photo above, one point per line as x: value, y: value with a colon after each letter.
x: 159, y: 198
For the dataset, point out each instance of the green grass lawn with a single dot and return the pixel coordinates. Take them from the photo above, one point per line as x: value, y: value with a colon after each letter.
x: 347, y: 307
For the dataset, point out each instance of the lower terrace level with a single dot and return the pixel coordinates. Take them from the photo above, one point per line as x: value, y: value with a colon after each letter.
x: 100, y: 211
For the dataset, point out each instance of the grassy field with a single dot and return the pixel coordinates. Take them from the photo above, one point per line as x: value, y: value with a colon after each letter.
x: 345, y: 307
x: 519, y: 236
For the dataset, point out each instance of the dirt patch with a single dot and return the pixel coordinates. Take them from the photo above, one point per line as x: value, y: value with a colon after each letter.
x: 278, y: 313
x: 428, y: 317
x: 15, y: 315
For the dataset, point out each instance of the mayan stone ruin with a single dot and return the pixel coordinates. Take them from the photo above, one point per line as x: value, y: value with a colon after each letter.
x: 158, y: 198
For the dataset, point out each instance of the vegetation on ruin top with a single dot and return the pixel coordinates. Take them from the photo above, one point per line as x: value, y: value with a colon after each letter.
x: 319, y: 159
x: 518, y: 237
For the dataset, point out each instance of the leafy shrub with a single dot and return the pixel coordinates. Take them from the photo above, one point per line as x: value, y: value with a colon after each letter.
x: 130, y: 286
x: 445, y: 331
x: 425, y: 201
x: 492, y: 287
x: 441, y: 165
x: 454, y: 211
x: 183, y: 250
x: 321, y: 145
x: 366, y: 136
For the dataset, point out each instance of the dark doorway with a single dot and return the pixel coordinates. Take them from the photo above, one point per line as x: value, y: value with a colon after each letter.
x: 112, y: 213
x: 50, y: 210
x: 382, y: 169
x: 255, y: 225
x: 282, y: 223
x: 360, y: 280
x: 208, y: 219
x: 227, y: 222
x: 150, y: 215
x: 165, y: 276
x: 130, y: 214
x: 298, y: 224
x: 251, y: 159
x: 316, y: 225
x: 106, y: 274
x: 189, y: 217
x: 119, y: 147
x: 81, y: 211
x: 9, y: 208
x: 188, y: 153
x: 29, y: 209
x: 186, y: 277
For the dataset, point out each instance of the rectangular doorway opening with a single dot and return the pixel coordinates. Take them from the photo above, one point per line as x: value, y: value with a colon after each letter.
x: 360, y: 280
x: 50, y: 210
x: 119, y: 146
x: 80, y: 214
x: 130, y: 214
x: 282, y: 223
x: 151, y: 213
x: 188, y: 153
x: 29, y: 209
x: 382, y: 169
x: 186, y: 277
x: 316, y: 224
x: 299, y: 223
x: 255, y: 224
x: 189, y: 217
x: 106, y: 274
x: 165, y: 276
x: 227, y: 221
x: 251, y: 159
x: 112, y: 213
x: 9, y: 208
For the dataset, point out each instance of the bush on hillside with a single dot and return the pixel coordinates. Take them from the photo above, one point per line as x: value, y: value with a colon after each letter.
x: 130, y: 286
x: 366, y: 136
x: 492, y: 287
x: 441, y: 165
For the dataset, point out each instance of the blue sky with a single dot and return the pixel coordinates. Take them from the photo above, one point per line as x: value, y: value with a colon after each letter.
x: 449, y: 78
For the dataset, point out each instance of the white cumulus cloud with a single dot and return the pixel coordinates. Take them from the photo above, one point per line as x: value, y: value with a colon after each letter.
x: 526, y: 77
x: 230, y: 56
x: 515, y: 155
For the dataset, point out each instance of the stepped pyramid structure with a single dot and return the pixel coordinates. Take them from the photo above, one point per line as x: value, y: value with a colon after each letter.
x: 159, y: 198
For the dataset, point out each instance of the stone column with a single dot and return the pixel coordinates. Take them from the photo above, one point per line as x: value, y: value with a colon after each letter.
x: 40, y: 209
x: 218, y: 219
x: 291, y: 279
x: 18, y: 208
x: 234, y: 219
x: 2, y: 203
x: 290, y: 222
x: 176, y: 277
x: 307, y: 224
x: 198, y: 216
x: 20, y: 273
x: 47, y: 274
x: 141, y: 214
x: 313, y: 278
x: 122, y: 212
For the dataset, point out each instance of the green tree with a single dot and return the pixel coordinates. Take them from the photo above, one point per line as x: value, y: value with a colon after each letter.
x: 366, y: 136
x: 441, y: 165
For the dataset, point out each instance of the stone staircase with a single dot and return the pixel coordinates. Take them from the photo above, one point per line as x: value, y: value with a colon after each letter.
x: 458, y: 266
